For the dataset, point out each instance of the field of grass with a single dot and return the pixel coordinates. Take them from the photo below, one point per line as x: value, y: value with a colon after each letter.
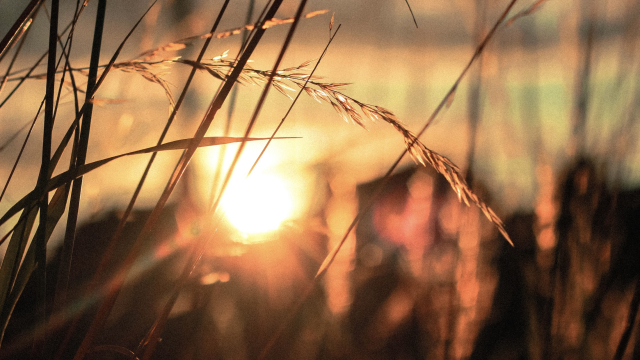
x: 178, y: 182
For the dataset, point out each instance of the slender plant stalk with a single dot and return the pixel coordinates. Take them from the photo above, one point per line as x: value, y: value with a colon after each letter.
x: 40, y: 194
x: 26, y: 28
x: 152, y: 338
x: 274, y: 338
x: 174, y: 112
x: 134, y: 197
x: 19, y: 278
x: 24, y: 144
x: 11, y: 260
x: 16, y: 134
x: 329, y: 259
x: 71, y: 76
x: 261, y: 101
x: 22, y: 80
x: 474, y: 112
x: 17, y: 27
x: 68, y: 176
x: 36, y: 117
x: 67, y: 69
x: 278, y: 333
x: 231, y: 108
x: 333, y: 253
x: 155, y: 334
x: 21, y: 203
x: 216, y: 104
x: 71, y: 25
x: 411, y: 11
x: 304, y: 86
x: 83, y: 144
x: 177, y: 44
x: 40, y: 241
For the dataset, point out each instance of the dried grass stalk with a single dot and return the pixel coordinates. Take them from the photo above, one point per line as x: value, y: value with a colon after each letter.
x: 144, y: 70
x: 350, y: 109
x: 182, y: 43
x: 347, y: 107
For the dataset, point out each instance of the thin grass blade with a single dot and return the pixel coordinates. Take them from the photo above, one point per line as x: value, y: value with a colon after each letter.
x: 303, y: 88
x: 23, y: 39
x: 14, y: 254
x: 43, y: 178
x: 32, y: 68
x: 216, y: 104
x: 10, y: 36
x: 411, y: 11
x: 24, y: 144
x: 68, y: 176
x: 80, y: 159
x: 28, y: 265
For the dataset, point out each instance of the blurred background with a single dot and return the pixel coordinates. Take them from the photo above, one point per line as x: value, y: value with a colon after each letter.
x: 542, y: 128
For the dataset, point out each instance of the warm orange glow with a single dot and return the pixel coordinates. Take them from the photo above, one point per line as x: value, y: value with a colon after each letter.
x: 258, y: 204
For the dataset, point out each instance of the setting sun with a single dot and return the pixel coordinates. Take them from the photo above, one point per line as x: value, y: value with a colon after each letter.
x: 258, y: 204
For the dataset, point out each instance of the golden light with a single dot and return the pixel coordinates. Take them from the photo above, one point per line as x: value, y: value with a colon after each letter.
x: 258, y: 204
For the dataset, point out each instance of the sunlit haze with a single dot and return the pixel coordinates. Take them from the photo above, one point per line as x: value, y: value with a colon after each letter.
x: 258, y: 204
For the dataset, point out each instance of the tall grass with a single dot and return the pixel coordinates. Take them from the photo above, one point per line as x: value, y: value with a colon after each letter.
x: 26, y: 255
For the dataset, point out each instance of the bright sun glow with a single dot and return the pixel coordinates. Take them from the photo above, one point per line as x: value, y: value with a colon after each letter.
x: 258, y: 204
